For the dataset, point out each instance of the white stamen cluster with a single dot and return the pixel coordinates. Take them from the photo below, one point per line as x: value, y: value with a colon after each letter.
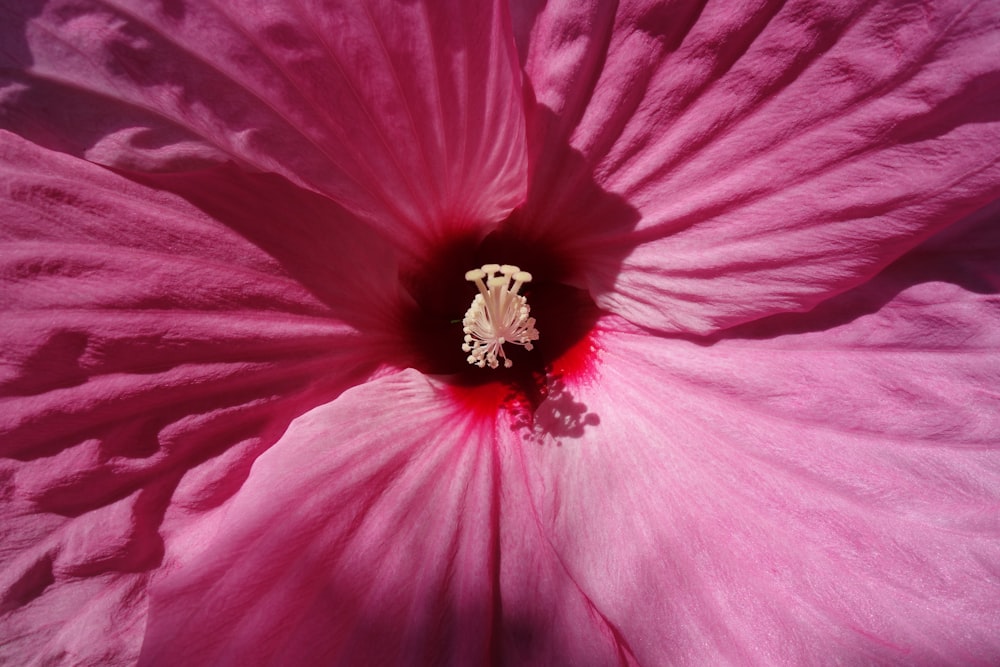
x: 497, y: 315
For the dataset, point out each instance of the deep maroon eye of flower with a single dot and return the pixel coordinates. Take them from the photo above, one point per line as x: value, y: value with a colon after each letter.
x: 563, y: 316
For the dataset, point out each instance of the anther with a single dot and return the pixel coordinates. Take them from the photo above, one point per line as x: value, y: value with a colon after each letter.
x: 498, y: 315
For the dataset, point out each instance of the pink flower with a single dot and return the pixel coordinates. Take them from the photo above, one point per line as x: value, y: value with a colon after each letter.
x: 761, y: 420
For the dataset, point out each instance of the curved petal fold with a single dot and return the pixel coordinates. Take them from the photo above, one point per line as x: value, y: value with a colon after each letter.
x: 407, y: 113
x: 826, y: 493
x: 547, y: 616
x: 778, y: 153
x: 150, y: 353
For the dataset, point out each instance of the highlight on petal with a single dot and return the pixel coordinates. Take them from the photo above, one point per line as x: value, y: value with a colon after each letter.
x: 778, y: 152
x: 829, y: 493
x: 150, y: 352
x: 407, y: 113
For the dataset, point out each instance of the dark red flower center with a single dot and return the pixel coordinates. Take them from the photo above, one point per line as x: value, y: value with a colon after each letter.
x: 565, y: 317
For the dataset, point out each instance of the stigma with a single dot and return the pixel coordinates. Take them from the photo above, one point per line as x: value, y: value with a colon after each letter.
x: 498, y: 315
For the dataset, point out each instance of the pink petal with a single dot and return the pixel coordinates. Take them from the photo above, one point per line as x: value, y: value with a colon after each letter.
x: 364, y: 536
x: 150, y: 353
x: 827, y: 495
x: 547, y: 617
x: 388, y: 527
x: 408, y: 114
x: 773, y: 153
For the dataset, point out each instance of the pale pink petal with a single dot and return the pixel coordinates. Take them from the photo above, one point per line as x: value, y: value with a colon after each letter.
x: 772, y: 153
x: 547, y: 618
x: 829, y: 495
x: 150, y: 353
x: 408, y: 114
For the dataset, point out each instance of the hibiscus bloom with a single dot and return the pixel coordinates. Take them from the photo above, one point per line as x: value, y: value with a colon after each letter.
x: 760, y: 420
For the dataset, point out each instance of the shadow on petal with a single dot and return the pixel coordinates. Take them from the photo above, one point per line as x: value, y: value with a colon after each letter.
x: 339, y: 259
x: 963, y: 255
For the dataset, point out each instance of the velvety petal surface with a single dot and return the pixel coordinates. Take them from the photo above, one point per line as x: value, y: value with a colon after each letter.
x: 776, y: 153
x: 150, y: 352
x: 825, y: 495
x: 407, y: 113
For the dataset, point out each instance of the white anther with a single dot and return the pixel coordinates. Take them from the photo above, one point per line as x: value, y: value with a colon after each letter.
x: 498, y: 315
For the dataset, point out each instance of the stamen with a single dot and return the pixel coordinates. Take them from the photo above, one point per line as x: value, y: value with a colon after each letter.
x: 497, y: 315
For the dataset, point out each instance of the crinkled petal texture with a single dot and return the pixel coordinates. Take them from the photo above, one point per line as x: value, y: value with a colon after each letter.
x: 407, y: 113
x: 829, y: 494
x: 777, y: 152
x: 152, y: 349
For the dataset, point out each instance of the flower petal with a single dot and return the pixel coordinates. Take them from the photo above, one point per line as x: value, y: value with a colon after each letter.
x: 546, y: 617
x: 778, y: 153
x: 825, y: 495
x: 388, y: 527
x: 364, y: 536
x: 150, y: 352
x: 409, y: 114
